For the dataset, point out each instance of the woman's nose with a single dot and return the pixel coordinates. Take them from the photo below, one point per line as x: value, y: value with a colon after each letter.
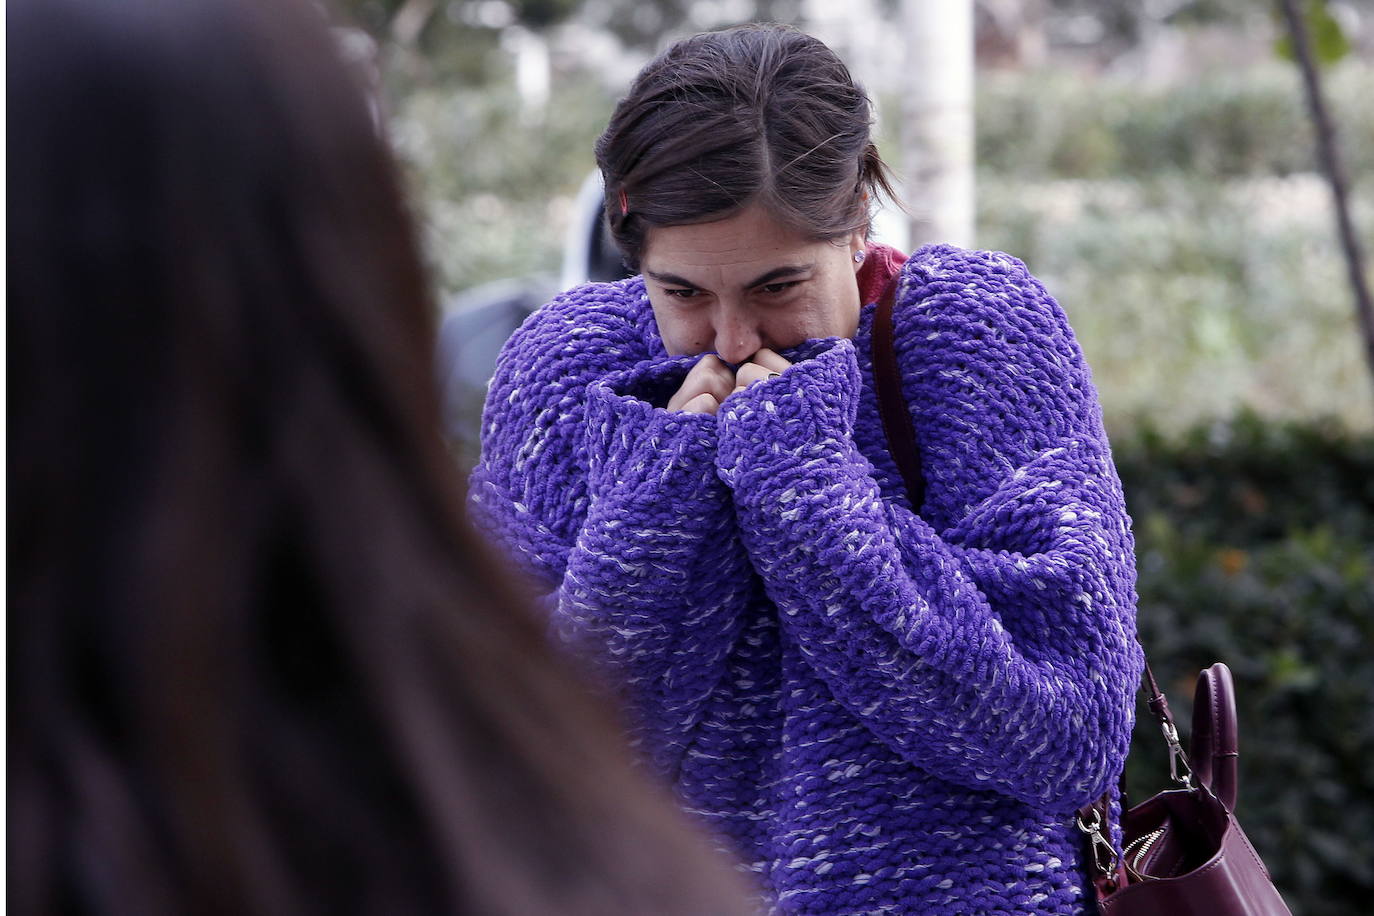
x: 737, y: 336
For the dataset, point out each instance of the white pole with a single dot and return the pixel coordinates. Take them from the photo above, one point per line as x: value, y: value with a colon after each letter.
x: 532, y: 71
x: 937, y: 120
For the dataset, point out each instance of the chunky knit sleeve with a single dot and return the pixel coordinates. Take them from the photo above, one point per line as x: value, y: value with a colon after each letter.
x: 614, y: 505
x: 997, y: 652
x: 657, y: 579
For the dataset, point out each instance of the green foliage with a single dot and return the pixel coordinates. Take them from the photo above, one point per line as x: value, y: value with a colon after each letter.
x: 1187, y: 235
x: 541, y: 14
x: 1191, y: 297
x: 492, y: 182
x: 455, y: 43
x: 638, y: 24
x: 1224, y: 125
x: 1324, y: 35
x: 1255, y: 546
x: 376, y: 15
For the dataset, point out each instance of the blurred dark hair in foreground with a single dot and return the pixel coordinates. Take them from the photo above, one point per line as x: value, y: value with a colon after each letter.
x: 257, y: 661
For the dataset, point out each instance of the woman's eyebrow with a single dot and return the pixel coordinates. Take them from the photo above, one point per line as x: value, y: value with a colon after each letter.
x: 669, y: 279
x: 772, y: 276
x: 779, y: 273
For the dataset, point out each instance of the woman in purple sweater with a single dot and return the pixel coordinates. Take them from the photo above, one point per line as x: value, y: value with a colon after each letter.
x: 878, y: 707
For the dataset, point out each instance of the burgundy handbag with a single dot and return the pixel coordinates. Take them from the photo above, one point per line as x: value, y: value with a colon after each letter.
x: 1183, y: 854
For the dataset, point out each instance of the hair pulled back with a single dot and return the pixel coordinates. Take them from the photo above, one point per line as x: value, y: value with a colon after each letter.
x: 757, y: 113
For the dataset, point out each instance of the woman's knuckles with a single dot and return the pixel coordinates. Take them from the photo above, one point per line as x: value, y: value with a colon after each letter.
x: 702, y: 403
x: 752, y: 372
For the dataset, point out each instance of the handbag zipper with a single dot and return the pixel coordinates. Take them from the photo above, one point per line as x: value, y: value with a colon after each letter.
x: 1139, y: 848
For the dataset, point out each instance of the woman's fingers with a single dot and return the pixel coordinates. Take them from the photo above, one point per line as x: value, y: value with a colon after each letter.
x: 702, y: 403
x: 750, y: 373
x: 762, y: 365
x: 712, y: 380
x: 709, y: 376
x: 770, y: 360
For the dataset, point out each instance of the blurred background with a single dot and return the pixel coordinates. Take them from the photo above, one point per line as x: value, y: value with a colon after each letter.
x: 1155, y: 163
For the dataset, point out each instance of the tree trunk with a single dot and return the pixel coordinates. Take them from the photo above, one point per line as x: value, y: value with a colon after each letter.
x: 1329, y: 155
x: 937, y: 120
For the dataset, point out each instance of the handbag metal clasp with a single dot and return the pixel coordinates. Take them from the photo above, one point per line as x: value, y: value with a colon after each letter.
x: 1104, y: 856
x: 1178, y: 761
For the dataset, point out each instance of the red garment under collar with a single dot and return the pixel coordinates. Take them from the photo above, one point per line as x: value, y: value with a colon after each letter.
x: 879, y: 268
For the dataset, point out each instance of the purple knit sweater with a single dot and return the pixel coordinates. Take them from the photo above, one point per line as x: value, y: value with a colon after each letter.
x: 877, y: 712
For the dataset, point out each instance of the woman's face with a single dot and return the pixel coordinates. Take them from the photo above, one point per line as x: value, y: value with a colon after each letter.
x: 738, y: 284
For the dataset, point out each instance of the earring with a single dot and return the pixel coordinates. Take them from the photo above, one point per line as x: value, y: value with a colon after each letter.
x: 859, y: 256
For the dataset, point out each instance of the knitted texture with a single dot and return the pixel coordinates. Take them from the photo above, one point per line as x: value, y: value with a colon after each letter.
x: 875, y: 711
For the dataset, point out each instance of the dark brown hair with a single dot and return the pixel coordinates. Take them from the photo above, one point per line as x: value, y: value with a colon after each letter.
x: 257, y: 661
x: 756, y: 113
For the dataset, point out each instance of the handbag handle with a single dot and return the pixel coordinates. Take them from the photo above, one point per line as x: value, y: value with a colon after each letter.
x: 1215, y: 749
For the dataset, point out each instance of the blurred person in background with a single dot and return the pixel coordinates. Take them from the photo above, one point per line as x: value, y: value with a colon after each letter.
x: 880, y: 705
x: 258, y: 663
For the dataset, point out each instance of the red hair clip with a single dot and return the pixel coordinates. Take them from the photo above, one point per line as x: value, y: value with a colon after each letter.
x: 624, y: 203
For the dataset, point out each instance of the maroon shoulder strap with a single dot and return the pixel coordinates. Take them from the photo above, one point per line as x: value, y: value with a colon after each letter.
x: 897, y: 425
x: 901, y: 442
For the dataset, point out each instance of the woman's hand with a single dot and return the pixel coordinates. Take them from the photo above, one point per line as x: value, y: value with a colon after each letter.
x: 762, y: 365
x: 709, y: 382
x: 712, y: 380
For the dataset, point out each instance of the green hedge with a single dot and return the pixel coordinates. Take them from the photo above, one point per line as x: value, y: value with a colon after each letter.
x: 1255, y: 544
x: 1055, y: 124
